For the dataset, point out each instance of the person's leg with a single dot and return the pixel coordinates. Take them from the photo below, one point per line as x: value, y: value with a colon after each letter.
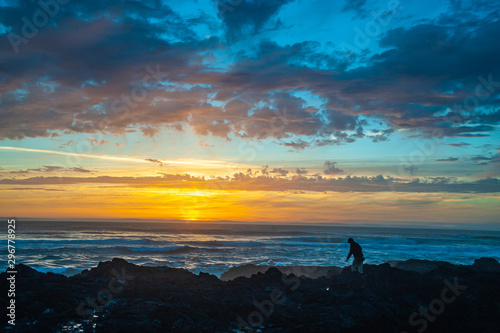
x: 353, y: 266
x: 360, y: 267
x: 356, y: 263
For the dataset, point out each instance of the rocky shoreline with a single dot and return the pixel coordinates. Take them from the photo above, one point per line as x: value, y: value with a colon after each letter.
x: 117, y: 296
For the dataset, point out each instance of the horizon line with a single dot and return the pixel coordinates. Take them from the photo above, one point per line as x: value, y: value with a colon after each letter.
x: 346, y: 223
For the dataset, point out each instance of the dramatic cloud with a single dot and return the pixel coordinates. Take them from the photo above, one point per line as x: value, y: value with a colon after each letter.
x: 81, y: 75
x: 240, y: 103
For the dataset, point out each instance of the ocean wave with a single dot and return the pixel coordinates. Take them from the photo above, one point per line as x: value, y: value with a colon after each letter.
x: 320, y: 239
x: 110, y: 242
x: 167, y: 250
x: 389, y: 241
x: 55, y: 253
x: 50, y: 243
x: 224, y: 243
x: 496, y: 238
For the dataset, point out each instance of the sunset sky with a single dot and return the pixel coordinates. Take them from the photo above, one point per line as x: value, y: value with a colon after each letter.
x: 361, y: 112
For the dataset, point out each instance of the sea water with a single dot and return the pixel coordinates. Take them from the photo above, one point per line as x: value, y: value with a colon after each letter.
x: 67, y: 247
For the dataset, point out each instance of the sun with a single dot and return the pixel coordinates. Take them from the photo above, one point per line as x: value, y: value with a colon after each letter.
x: 191, y: 214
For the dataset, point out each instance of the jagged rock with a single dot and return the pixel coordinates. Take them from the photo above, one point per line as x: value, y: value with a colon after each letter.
x: 163, y: 299
x: 312, y: 272
x: 486, y: 264
x: 422, y: 266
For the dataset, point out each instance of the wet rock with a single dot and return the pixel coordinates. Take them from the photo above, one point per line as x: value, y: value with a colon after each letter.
x: 163, y: 299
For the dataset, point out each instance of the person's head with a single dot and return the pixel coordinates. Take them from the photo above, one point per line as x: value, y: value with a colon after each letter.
x: 350, y: 240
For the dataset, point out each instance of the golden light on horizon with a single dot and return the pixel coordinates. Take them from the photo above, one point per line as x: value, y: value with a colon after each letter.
x: 116, y: 201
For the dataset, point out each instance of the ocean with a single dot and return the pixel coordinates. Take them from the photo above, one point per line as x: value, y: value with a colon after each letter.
x: 67, y: 247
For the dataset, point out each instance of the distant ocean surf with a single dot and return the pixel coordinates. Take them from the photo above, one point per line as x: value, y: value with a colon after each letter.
x: 68, y: 247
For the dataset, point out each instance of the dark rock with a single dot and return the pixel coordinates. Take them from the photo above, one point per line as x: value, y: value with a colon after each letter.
x: 422, y: 266
x: 274, y: 273
x: 312, y: 272
x: 163, y: 299
x: 486, y: 264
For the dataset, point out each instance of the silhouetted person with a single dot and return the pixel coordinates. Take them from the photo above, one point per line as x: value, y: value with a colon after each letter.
x: 357, y: 253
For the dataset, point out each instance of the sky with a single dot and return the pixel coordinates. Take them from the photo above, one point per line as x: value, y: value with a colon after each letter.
x: 357, y: 112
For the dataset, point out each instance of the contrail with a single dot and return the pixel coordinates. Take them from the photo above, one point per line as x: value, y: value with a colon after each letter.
x: 124, y: 159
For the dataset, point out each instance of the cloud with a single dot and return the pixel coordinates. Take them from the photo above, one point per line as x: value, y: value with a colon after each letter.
x: 150, y: 131
x: 249, y: 171
x: 301, y: 171
x: 410, y: 168
x: 485, y: 160
x: 331, y: 169
x: 20, y: 172
x: 120, y: 144
x: 449, y: 159
x: 459, y: 145
x: 154, y: 160
x: 95, y: 142
x: 423, y: 79
x: 33, y: 189
x: 298, y: 145
x: 51, y: 168
x: 356, y: 6
x: 490, y: 164
x: 246, y: 182
x: 205, y: 145
x: 122, y: 158
x: 248, y: 17
x: 380, y: 135
x: 280, y: 171
x: 78, y: 169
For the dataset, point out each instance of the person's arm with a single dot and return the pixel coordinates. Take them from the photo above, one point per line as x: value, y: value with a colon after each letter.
x: 350, y: 254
